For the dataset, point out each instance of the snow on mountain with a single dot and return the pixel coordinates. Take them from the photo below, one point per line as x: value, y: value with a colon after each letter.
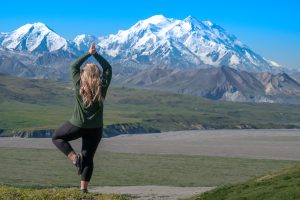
x: 2, y: 37
x: 83, y: 41
x: 273, y: 63
x: 36, y: 37
x: 187, y: 43
x: 154, y: 42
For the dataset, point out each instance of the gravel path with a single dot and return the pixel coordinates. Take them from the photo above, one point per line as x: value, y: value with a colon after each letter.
x: 153, y: 192
x: 265, y: 144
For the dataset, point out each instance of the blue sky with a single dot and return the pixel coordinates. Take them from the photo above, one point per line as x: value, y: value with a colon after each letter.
x: 269, y: 27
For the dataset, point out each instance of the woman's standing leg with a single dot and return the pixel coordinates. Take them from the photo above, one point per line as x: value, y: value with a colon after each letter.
x: 90, y: 140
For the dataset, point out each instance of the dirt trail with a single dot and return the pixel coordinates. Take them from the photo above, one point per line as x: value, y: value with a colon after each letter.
x: 152, y: 191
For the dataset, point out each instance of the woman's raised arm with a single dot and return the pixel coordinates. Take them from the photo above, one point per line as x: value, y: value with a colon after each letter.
x: 75, y: 68
x: 106, y: 73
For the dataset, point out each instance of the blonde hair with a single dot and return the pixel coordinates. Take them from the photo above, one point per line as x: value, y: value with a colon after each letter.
x: 90, y: 84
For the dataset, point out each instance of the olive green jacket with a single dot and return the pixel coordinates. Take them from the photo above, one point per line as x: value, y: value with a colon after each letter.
x: 92, y: 116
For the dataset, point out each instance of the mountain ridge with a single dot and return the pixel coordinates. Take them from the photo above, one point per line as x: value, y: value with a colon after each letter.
x: 198, y: 44
x: 155, y: 41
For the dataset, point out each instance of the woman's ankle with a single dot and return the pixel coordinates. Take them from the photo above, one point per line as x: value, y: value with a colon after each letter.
x: 84, y: 184
x: 72, y: 156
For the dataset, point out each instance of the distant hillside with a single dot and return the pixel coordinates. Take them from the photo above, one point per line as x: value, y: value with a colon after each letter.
x: 279, y: 185
x: 27, y: 104
x: 222, y: 83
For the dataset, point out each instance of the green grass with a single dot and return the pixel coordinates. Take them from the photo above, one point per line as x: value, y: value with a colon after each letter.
x: 43, y: 104
x: 284, y: 184
x: 50, y: 168
x: 17, y: 193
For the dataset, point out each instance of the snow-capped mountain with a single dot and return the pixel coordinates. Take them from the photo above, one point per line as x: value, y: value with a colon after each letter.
x: 36, y: 37
x: 154, y: 42
x: 188, y: 43
x: 83, y: 41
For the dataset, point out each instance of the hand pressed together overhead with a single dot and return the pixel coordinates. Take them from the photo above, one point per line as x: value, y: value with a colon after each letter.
x: 92, y: 49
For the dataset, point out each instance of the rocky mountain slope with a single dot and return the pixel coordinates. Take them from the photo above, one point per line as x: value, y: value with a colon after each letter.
x: 222, y: 83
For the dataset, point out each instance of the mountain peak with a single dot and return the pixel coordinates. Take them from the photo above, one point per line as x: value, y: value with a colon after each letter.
x: 194, y: 20
x: 83, y: 41
x: 36, y: 37
x: 156, y: 19
x: 191, y: 19
x: 39, y: 24
x: 84, y: 37
x: 193, y: 23
x: 208, y: 23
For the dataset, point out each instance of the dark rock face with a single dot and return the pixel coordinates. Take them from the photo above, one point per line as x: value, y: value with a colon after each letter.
x: 121, y: 129
x: 34, y: 134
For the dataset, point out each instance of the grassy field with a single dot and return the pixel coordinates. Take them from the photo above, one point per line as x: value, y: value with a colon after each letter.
x: 43, y: 104
x: 284, y: 184
x: 13, y: 193
x: 50, y: 168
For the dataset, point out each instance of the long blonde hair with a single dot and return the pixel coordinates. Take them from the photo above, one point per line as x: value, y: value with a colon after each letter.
x: 90, y: 84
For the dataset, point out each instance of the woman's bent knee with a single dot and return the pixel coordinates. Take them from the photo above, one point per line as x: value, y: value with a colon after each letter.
x: 55, y: 136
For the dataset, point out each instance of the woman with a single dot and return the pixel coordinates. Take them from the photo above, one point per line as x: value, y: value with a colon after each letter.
x: 87, y: 119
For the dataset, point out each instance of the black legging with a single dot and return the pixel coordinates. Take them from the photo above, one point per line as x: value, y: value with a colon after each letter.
x: 90, y: 140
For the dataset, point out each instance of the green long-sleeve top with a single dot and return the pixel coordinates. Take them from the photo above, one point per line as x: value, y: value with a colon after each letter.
x: 92, y: 116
